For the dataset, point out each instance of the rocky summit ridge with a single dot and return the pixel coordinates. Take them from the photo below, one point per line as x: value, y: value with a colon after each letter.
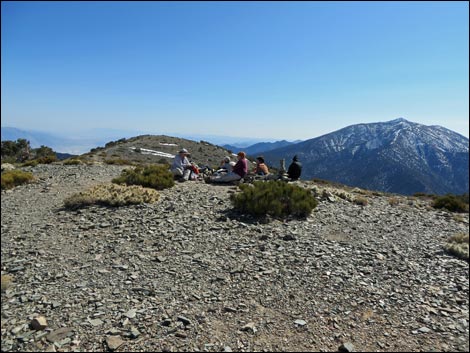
x: 187, y: 273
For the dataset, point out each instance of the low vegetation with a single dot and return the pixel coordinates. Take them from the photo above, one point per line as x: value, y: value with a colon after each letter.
x: 111, y: 195
x: 118, y: 161
x: 20, y: 151
x: 153, y: 176
x: 16, y: 177
x: 361, y: 201
x: 453, y: 203
x: 72, y: 161
x: 274, y: 198
x: 6, y: 282
x: 458, y: 246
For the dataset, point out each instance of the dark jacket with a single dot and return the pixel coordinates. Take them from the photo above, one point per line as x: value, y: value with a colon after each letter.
x: 294, y: 171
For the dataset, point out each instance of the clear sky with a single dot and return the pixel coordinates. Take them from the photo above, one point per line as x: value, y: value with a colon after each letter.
x: 274, y: 70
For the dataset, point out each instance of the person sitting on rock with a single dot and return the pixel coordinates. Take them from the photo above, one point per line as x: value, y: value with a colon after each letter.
x: 239, y: 170
x: 226, y: 165
x: 261, y: 167
x: 295, y: 169
x: 181, y: 167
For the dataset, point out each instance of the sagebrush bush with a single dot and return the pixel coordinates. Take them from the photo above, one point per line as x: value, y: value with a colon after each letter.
x: 16, y: 177
x: 274, y: 198
x: 153, y: 176
x: 111, y: 195
x: 451, y: 202
x: 458, y: 245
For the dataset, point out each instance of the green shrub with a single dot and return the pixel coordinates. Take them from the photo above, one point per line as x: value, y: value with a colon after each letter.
x: 274, y: 198
x: 14, y: 178
x: 112, y: 195
x: 451, y: 202
x: 152, y: 176
x: 458, y: 246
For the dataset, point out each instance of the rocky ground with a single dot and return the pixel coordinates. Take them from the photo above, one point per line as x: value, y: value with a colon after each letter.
x: 189, y: 274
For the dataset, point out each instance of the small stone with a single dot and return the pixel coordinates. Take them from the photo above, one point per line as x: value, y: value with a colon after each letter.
x: 227, y: 349
x: 114, y: 342
x: 131, y: 313
x: 134, y: 332
x: 288, y: 237
x: 17, y: 329
x: 249, y: 327
x: 38, y: 323
x: 166, y: 322
x: 95, y: 322
x: 59, y: 334
x: 346, y: 347
x: 184, y: 320
x: 229, y: 309
x: 424, y: 329
x: 300, y: 322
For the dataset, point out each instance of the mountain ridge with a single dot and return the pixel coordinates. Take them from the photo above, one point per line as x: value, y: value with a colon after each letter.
x: 395, y: 156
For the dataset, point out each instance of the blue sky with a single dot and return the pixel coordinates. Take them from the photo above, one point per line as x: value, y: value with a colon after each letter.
x: 273, y: 70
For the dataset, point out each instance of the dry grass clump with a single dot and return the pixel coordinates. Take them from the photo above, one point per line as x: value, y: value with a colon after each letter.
x: 72, y: 161
x: 112, y: 195
x: 393, y: 201
x: 6, y: 282
x: 458, y: 245
x: 361, y: 201
x: 118, y: 161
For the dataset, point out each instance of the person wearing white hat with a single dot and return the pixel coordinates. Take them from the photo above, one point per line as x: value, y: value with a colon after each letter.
x: 181, y: 166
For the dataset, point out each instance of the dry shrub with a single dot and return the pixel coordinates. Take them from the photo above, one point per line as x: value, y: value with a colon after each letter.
x: 458, y: 245
x: 112, y: 195
x: 361, y: 201
x: 6, y: 282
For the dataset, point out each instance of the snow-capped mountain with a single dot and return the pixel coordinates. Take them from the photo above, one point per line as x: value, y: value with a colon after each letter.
x: 397, y: 156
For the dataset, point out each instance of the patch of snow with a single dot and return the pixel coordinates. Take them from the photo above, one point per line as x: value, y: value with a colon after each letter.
x: 168, y: 144
x: 154, y: 153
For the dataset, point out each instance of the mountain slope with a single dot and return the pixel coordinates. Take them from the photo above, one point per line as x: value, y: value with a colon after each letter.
x: 397, y: 156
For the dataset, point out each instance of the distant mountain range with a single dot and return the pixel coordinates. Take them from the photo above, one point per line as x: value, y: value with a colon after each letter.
x: 84, y: 141
x: 398, y: 156
x: 59, y: 143
x: 259, y: 148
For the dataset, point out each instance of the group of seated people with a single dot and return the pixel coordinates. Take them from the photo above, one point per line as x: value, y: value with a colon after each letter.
x: 228, y: 170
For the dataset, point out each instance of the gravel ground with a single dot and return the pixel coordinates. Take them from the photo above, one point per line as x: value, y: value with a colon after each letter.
x: 189, y: 274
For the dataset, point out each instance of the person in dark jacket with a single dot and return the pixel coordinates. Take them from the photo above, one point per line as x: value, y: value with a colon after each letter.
x: 295, y: 169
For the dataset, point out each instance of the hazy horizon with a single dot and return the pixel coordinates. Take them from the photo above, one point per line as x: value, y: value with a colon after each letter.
x: 270, y: 70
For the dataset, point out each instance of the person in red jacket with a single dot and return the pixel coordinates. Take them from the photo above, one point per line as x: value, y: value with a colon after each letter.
x: 239, y: 171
